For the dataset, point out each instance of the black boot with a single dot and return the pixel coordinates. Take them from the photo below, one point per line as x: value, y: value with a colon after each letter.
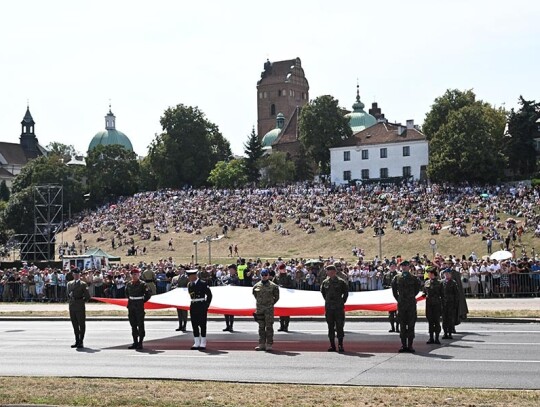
x: 340, y: 345
x: 411, y: 349
x: 393, y: 328
x: 332, y: 347
x: 430, y: 339
x: 139, y: 343
x: 281, y: 326
x: 403, y: 346
x: 134, y: 344
x: 80, y: 344
x: 437, y: 341
x: 76, y: 344
x: 179, y: 327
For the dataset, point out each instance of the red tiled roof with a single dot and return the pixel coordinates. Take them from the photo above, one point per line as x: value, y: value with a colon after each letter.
x: 382, y: 133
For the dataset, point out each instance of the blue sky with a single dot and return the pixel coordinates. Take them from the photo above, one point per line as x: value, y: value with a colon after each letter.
x: 68, y: 58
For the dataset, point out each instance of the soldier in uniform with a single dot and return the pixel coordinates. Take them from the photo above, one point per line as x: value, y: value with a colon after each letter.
x: 138, y: 293
x: 433, y: 291
x: 450, y: 303
x: 462, y: 308
x: 181, y: 280
x: 283, y: 279
x: 405, y: 286
x: 77, y: 292
x: 149, y: 277
x: 201, y: 297
x: 335, y: 292
x: 266, y: 295
x: 232, y: 280
x: 392, y: 315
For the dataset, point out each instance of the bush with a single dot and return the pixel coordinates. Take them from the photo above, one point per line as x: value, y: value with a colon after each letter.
x: 535, y: 182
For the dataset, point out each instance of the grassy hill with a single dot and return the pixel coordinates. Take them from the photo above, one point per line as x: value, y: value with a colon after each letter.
x: 270, y: 245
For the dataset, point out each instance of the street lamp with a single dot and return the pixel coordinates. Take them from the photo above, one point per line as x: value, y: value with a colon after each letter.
x: 196, y: 243
x: 209, y: 240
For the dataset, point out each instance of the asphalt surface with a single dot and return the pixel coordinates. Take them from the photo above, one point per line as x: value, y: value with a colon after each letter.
x: 482, y: 355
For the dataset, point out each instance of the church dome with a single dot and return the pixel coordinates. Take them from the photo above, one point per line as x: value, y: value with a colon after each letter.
x: 273, y: 134
x: 358, y: 118
x: 110, y: 136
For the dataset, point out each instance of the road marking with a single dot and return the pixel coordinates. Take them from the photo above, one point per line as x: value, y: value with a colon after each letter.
x: 489, y: 360
x: 502, y: 343
x: 168, y: 355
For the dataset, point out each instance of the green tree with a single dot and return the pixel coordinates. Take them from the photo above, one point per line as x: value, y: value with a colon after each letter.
x: 112, y: 171
x: 323, y: 126
x: 148, y: 181
x: 187, y: 150
x: 469, y: 145
x: 254, y: 152
x: 522, y: 129
x: 62, y: 150
x: 303, y: 166
x: 4, y: 191
x: 19, y: 213
x: 451, y: 101
x: 229, y: 174
x: 278, y: 168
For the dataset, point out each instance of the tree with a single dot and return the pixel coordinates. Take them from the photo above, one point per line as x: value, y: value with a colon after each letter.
x: 4, y: 191
x: 519, y: 143
x: 254, y: 152
x: 323, y: 126
x: 468, y: 145
x: 187, y: 150
x: 452, y: 100
x: 229, y: 174
x: 19, y: 213
x: 112, y: 171
x: 62, y: 150
x: 277, y: 169
x: 303, y: 167
x: 147, y: 180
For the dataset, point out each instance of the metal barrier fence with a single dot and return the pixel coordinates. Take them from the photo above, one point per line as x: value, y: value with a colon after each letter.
x: 506, y: 285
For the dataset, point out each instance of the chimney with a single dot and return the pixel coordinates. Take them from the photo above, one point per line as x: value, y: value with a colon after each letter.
x: 410, y: 124
x: 400, y: 130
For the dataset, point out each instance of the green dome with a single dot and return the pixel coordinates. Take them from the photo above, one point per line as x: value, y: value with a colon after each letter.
x: 358, y: 118
x: 270, y: 137
x: 110, y: 137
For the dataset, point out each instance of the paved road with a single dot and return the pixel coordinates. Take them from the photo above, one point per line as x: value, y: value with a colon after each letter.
x: 481, y: 356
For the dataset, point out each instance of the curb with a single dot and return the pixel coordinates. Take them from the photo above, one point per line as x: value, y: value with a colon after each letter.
x: 299, y: 319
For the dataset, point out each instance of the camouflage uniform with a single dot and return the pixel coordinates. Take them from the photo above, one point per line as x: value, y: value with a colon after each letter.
x: 335, y: 292
x: 266, y: 295
x: 77, y: 292
x: 149, y: 277
x: 450, y: 306
x: 405, y: 287
x: 433, y: 290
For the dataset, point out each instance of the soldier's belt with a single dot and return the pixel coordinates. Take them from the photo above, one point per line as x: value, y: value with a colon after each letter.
x: 136, y: 298
x: 198, y: 300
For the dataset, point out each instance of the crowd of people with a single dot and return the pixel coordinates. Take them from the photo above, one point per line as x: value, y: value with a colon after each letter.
x: 479, y: 276
x: 459, y: 210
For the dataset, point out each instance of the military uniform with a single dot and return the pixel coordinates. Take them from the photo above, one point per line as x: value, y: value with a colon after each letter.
x: 284, y: 280
x: 392, y: 315
x: 405, y: 287
x: 201, y: 297
x: 149, y: 277
x: 137, y: 293
x: 181, y: 281
x: 433, y: 290
x: 450, y: 304
x: 77, y: 292
x: 266, y: 295
x: 335, y: 292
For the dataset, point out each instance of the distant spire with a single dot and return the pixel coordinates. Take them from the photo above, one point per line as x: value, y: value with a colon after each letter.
x: 358, y: 106
x: 110, y: 119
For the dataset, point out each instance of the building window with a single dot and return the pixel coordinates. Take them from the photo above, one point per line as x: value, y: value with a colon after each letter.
x: 365, y: 154
x: 273, y: 110
x: 304, y: 98
x: 384, y: 172
x: 384, y: 153
x: 265, y: 95
x: 406, y: 151
x: 346, y: 175
x: 279, y: 92
x: 346, y: 156
x: 365, y: 174
x: 260, y: 95
x: 406, y: 171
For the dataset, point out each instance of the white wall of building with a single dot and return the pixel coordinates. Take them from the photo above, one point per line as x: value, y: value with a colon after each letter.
x: 394, y: 162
